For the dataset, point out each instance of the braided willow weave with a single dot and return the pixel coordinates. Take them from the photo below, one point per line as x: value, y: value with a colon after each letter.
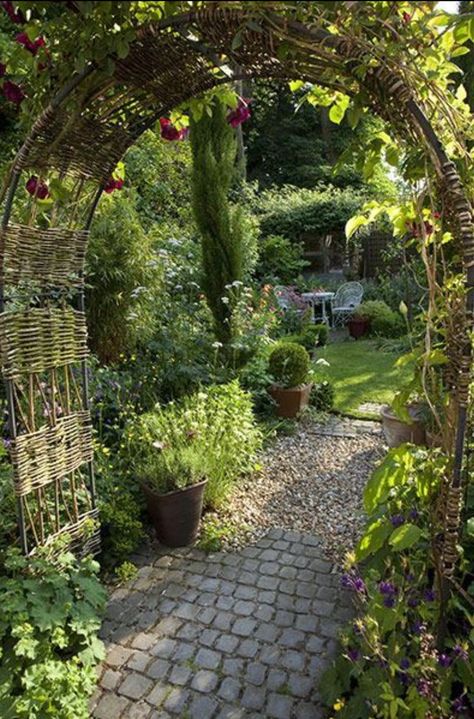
x: 46, y: 455
x: 47, y: 257
x: 40, y: 339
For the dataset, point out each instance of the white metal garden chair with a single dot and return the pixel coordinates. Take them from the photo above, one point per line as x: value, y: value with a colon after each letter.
x: 347, y: 298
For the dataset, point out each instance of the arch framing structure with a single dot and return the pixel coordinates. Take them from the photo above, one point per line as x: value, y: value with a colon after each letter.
x: 79, y: 138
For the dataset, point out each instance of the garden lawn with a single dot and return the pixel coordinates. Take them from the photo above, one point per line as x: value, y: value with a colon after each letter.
x: 362, y: 373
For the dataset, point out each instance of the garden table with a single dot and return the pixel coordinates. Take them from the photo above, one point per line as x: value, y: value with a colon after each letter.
x: 318, y: 298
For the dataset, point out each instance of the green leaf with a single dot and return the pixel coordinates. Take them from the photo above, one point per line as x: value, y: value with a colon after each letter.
x: 374, y: 538
x: 405, y: 536
x: 393, y: 471
x: 470, y: 527
x: 296, y: 85
x: 354, y: 224
x: 338, y: 110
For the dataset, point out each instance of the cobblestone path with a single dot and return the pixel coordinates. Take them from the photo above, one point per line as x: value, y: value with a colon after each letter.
x: 223, y: 635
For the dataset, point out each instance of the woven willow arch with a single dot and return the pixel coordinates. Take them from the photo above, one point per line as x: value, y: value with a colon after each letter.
x: 81, y: 135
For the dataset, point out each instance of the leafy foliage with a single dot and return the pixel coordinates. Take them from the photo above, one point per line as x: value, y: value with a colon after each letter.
x: 48, y: 635
x: 280, y: 261
x: 391, y: 665
x: 122, y: 272
x: 383, y: 321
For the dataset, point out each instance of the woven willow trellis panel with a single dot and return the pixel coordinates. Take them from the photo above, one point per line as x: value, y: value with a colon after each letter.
x: 40, y: 339
x: 52, y: 257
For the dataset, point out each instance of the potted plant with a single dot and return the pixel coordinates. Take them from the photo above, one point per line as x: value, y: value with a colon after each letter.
x: 409, y: 428
x: 173, y: 480
x: 290, y: 367
x: 358, y: 324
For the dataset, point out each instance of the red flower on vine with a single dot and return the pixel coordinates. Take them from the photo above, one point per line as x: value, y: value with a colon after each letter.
x: 240, y: 114
x: 416, y: 230
x: 113, y: 184
x: 13, y: 93
x: 15, y: 16
x: 38, y: 188
x: 31, y: 45
x: 406, y: 17
x: 170, y: 132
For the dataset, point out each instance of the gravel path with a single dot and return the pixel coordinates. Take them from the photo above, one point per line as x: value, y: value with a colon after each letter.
x: 311, y: 482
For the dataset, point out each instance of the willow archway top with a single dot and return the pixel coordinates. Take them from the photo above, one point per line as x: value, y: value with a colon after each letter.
x: 93, y: 120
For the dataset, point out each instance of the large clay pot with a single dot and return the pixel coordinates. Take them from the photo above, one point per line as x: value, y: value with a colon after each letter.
x: 398, y: 432
x: 176, y: 515
x: 358, y: 327
x: 291, y: 401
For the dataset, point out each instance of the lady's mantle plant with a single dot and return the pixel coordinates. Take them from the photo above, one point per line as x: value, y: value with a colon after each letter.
x: 49, y: 622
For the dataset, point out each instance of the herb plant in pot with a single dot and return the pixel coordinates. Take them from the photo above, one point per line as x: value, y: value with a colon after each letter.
x: 290, y: 368
x: 173, y: 481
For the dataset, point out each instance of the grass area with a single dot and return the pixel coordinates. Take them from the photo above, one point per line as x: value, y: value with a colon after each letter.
x: 362, y: 373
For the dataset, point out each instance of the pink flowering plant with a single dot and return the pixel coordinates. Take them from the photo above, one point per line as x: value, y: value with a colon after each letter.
x: 402, y: 656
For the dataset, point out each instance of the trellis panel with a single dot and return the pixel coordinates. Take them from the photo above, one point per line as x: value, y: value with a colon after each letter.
x: 40, y: 339
x: 46, y: 257
x: 45, y: 456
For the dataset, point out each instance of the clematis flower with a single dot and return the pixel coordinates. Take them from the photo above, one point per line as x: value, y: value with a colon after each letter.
x: 3, y: 69
x: 429, y: 595
x: 460, y: 652
x: 240, y: 114
x: 444, y: 660
x: 15, y: 16
x: 13, y: 92
x: 170, y: 132
x: 406, y: 17
x: 459, y: 705
x: 353, y: 654
x: 353, y: 582
x: 397, y: 520
x: 113, y: 184
x: 37, y: 188
x: 31, y: 45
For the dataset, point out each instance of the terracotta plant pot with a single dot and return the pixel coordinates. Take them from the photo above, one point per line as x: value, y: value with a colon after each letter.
x: 397, y: 432
x: 176, y: 515
x: 291, y: 401
x: 358, y: 327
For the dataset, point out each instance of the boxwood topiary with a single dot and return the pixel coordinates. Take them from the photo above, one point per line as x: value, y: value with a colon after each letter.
x: 289, y: 364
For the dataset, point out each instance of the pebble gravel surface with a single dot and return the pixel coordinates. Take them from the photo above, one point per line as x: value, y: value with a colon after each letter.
x: 310, y: 482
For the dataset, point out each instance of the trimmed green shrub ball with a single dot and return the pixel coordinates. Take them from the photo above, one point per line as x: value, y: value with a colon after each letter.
x: 289, y: 364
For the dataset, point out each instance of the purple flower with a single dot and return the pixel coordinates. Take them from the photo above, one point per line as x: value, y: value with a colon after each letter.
x: 405, y: 663
x: 444, y: 661
x: 397, y: 520
x: 414, y: 515
x: 37, y: 188
x: 353, y: 582
x: 416, y: 627
x: 460, y: 653
x: 388, y: 589
x: 389, y: 602
x: 353, y: 654
x: 429, y: 595
x: 7, y: 443
x: 458, y: 705
x: 410, y: 578
x: 413, y: 602
x: 169, y: 132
